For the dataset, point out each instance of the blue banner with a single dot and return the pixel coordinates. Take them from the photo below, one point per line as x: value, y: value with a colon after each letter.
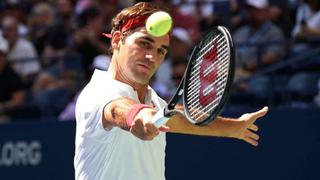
x: 289, y: 149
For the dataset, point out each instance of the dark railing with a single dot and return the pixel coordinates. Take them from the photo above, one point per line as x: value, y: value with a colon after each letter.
x: 285, y: 76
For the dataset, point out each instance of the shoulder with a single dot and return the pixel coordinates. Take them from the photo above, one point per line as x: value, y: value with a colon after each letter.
x: 242, y: 33
x: 101, y: 90
x: 24, y: 43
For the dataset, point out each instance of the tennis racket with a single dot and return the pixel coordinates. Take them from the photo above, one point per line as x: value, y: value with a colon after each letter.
x: 207, y: 81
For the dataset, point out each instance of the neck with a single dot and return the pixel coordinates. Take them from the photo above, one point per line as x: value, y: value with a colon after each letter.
x: 119, y: 75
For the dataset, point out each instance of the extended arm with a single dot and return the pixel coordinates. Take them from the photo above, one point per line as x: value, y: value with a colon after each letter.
x: 242, y: 128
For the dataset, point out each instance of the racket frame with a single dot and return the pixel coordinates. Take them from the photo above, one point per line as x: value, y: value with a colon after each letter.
x: 163, y: 115
x: 228, y: 87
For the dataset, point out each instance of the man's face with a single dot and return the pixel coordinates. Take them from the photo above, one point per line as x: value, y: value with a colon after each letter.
x: 140, y: 55
x: 257, y: 16
x: 10, y: 29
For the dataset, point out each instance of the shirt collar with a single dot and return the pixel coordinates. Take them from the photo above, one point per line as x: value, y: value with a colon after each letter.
x: 101, y: 76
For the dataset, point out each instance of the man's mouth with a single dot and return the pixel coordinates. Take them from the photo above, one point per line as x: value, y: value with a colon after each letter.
x: 145, y: 66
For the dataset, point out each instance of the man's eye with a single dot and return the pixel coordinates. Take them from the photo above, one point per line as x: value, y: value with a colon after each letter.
x: 144, y: 43
x: 162, y: 51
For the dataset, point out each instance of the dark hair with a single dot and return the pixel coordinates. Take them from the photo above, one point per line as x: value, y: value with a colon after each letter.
x: 87, y: 15
x: 139, y: 9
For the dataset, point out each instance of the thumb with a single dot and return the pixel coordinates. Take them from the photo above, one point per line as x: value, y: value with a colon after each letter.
x: 260, y: 113
x: 164, y: 128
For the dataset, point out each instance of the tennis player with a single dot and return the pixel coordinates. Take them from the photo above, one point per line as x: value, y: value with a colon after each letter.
x: 115, y: 138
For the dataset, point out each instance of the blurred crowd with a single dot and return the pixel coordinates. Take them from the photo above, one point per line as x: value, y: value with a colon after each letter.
x: 48, y: 49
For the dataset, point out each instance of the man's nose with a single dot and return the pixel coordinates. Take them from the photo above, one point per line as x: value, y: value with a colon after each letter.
x: 150, y: 55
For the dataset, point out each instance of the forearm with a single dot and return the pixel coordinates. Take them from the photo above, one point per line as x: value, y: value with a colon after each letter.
x: 241, y: 128
x: 115, y: 113
x: 219, y: 127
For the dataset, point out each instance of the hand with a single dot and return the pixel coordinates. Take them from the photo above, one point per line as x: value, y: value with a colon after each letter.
x: 143, y: 128
x: 246, y: 129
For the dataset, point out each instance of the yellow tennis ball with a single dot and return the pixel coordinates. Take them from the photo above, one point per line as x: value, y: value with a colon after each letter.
x: 159, y: 23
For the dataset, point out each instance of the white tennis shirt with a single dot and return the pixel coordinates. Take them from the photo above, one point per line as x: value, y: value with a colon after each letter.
x: 114, y: 154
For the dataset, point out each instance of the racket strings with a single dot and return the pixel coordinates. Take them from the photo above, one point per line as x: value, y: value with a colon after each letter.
x: 209, y: 69
x: 206, y: 49
x: 195, y: 83
x: 221, y: 59
x: 220, y: 79
x: 199, y: 115
x: 223, y: 68
x: 220, y: 85
x: 207, y: 109
x: 196, y: 105
x: 211, y: 106
x: 195, y: 78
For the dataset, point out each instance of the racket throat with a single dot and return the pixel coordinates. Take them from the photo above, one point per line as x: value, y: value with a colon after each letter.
x: 169, y: 112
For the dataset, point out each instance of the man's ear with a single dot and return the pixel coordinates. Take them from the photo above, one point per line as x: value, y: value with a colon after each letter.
x: 116, y: 40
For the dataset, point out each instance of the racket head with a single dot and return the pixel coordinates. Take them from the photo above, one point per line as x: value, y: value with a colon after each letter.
x: 209, y: 76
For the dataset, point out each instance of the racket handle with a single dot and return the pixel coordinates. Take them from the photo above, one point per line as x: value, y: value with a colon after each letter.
x: 159, y: 118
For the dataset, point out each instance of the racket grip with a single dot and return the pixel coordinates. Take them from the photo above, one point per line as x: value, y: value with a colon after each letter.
x: 159, y: 118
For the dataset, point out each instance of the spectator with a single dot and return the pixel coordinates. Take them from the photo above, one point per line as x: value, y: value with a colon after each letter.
x: 307, y: 26
x: 179, y: 66
x: 40, y: 21
x: 307, y: 19
x: 22, y: 54
x: 237, y: 14
x: 59, y: 81
x: 87, y: 39
x: 185, y: 21
x: 50, y: 93
x: 15, y: 8
x: 12, y: 94
x: 253, y: 50
x: 181, y: 43
x: 180, y: 46
x: 65, y: 15
x: 109, y: 9
x: 202, y: 11
x: 101, y: 62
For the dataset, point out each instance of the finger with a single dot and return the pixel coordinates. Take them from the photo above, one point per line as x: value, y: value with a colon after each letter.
x: 253, y: 127
x: 251, y: 141
x: 164, y: 128
x: 252, y: 135
x: 150, y: 128
x: 138, y: 126
x: 140, y: 131
x: 135, y: 127
x: 260, y: 113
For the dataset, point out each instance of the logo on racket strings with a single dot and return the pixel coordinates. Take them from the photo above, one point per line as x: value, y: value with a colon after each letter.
x: 208, y: 74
